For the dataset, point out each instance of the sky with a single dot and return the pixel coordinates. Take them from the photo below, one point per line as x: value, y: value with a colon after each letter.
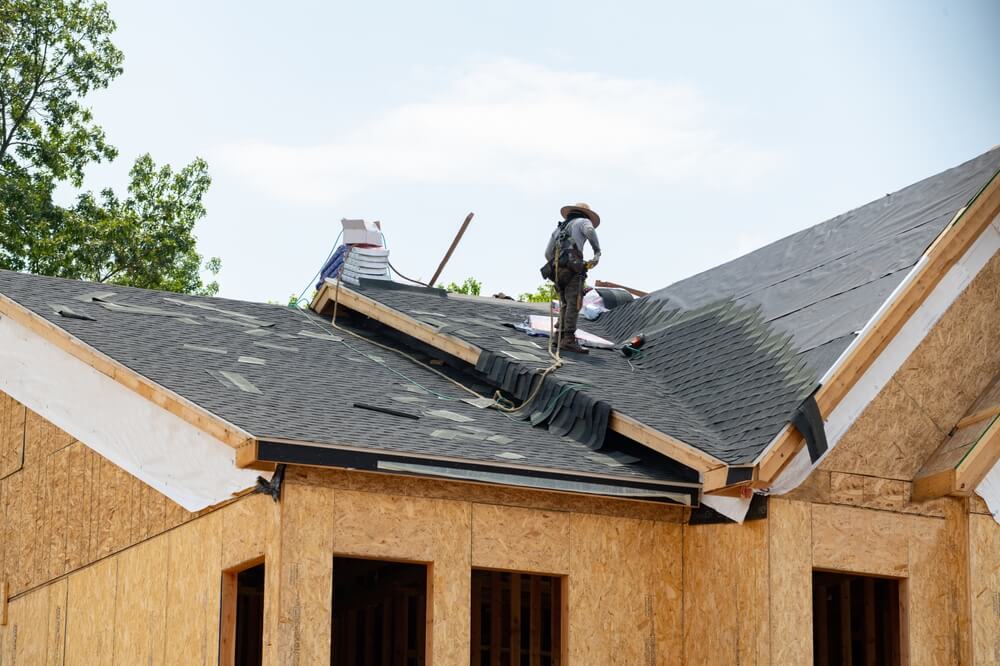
x: 698, y: 131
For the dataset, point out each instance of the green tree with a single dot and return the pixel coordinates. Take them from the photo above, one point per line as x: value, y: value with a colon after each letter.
x: 52, y: 54
x: 543, y: 294
x: 471, y: 286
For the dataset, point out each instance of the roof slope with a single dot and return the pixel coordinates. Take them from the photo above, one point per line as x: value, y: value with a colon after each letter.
x: 732, y: 352
x: 285, y: 374
x: 822, y: 285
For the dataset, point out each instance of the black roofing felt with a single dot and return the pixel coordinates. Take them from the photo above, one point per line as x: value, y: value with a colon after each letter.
x: 297, y: 386
x: 733, y: 351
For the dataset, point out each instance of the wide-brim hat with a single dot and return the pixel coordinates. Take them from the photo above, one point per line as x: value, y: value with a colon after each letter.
x: 583, y: 209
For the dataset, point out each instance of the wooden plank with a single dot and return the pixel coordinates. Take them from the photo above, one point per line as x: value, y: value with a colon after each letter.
x: 515, y: 617
x: 535, y: 619
x: 4, y: 596
x: 495, y: 618
x: 976, y: 417
x: 669, y: 446
x: 979, y: 461
x: 175, y: 404
x: 227, y: 619
x: 944, y: 253
x: 934, y: 485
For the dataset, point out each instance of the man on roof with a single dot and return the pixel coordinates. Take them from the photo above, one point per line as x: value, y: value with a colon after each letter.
x: 566, y: 267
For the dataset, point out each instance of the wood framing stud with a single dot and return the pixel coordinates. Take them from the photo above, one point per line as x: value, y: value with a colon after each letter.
x: 4, y: 593
x: 949, y: 247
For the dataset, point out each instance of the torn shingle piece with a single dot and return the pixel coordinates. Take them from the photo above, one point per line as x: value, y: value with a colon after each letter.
x: 500, y: 439
x: 321, y: 336
x: 465, y: 333
x: 509, y: 455
x: 258, y: 332
x: 69, y: 313
x: 206, y: 306
x: 252, y: 360
x: 451, y: 416
x: 141, y: 309
x: 406, y: 399
x: 240, y: 322
x: 413, y: 388
x: 234, y: 380
x: 95, y: 296
x: 523, y: 356
x: 376, y: 358
x: 520, y: 342
x: 210, y: 350
x: 479, y: 403
x: 604, y: 460
x: 271, y: 345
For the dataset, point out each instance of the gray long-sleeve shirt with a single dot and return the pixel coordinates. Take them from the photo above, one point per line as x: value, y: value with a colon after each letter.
x: 581, y: 231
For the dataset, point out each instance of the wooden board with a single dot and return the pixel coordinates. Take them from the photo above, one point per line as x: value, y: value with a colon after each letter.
x: 140, y: 611
x: 90, y: 629
x: 984, y: 570
x: 860, y: 541
x: 520, y: 539
x: 193, y: 592
x: 790, y: 593
x: 306, y: 575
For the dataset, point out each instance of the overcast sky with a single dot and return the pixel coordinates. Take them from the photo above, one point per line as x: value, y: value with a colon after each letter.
x: 699, y: 131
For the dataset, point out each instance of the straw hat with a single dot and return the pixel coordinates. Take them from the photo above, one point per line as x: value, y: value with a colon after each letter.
x: 584, y: 210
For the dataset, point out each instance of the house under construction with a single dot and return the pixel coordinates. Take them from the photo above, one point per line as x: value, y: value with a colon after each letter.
x: 798, y: 465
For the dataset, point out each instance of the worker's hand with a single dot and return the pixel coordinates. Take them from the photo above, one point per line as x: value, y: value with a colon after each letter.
x: 593, y: 262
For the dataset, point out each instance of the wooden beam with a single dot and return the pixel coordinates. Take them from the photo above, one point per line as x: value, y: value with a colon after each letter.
x: 4, y: 593
x: 976, y: 417
x: 179, y: 406
x: 246, y: 458
x: 979, y: 461
x: 967, y: 225
x: 348, y: 299
x: 933, y: 486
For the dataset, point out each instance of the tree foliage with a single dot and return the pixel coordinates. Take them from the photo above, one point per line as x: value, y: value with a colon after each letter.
x: 471, y: 286
x: 543, y: 294
x: 52, y: 54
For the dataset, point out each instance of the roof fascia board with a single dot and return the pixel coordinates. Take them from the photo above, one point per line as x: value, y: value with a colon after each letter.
x: 179, y: 406
x: 332, y: 296
x: 951, y: 246
x: 174, y: 457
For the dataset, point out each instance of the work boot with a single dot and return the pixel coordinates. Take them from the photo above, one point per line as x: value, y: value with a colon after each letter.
x: 574, y: 347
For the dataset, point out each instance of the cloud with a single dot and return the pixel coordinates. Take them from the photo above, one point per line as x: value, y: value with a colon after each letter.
x: 515, y: 124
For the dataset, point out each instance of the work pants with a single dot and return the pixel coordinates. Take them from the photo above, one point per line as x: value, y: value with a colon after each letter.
x: 570, y: 287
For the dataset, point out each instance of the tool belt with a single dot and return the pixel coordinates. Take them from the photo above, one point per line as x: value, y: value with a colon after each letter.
x: 570, y: 261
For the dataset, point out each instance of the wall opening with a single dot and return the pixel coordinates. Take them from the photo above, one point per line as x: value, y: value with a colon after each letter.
x: 379, y: 613
x: 242, y: 633
x: 516, y: 619
x: 856, y: 620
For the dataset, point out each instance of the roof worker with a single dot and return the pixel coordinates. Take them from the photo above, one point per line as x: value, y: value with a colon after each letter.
x: 565, y: 252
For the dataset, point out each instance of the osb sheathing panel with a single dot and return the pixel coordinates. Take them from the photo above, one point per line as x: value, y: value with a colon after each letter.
x: 726, y: 615
x: 883, y: 494
x: 483, y: 493
x: 984, y: 556
x: 140, y: 611
x: 977, y: 505
x: 90, y: 626
x: 520, y: 539
x: 958, y: 359
x: 36, y: 628
x: 790, y: 592
x: 862, y: 541
x: 891, y: 439
x: 622, y: 598
x: 421, y: 530
x: 194, y: 591
x: 306, y: 575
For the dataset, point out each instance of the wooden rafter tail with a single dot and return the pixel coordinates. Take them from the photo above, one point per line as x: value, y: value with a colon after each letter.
x: 949, y: 247
x: 161, y: 396
x: 979, y: 461
x: 730, y: 480
x: 349, y: 299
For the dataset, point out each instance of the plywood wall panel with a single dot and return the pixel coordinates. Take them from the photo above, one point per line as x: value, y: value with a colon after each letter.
x: 984, y: 557
x: 306, y: 575
x: 790, y: 592
x: 27, y: 629
x: 140, y: 613
x: 193, y: 592
x: 79, y: 505
x: 667, y: 584
x: 58, y: 464
x: 860, y: 540
x: 520, y: 539
x: 245, y: 529
x: 12, y: 419
x: 91, y: 615
x: 58, y: 597
x: 615, y: 599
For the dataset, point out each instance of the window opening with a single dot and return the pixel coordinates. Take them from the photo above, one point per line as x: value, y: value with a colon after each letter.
x: 856, y: 620
x: 516, y: 619
x: 379, y: 613
x: 242, y: 636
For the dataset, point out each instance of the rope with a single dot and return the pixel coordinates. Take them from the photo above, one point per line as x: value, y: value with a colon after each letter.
x: 422, y: 284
